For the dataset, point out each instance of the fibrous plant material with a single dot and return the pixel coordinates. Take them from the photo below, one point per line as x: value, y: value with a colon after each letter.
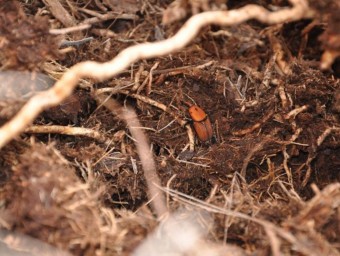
x: 276, y: 136
x: 64, y: 87
x: 158, y: 105
x: 50, y: 199
x: 144, y: 151
x: 25, y: 41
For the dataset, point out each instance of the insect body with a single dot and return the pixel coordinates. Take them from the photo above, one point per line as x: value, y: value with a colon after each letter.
x: 201, y: 123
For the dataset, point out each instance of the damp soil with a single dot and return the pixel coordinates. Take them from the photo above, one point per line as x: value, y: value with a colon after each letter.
x: 269, y: 102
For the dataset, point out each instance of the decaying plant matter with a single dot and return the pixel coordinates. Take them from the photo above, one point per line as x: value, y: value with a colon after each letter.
x: 106, y: 162
x: 100, y: 72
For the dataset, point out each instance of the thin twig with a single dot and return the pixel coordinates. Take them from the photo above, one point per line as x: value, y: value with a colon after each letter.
x: 85, y: 40
x: 295, y: 112
x: 255, y: 126
x: 283, y: 97
x: 108, y: 16
x: 69, y: 130
x: 326, y: 132
x: 63, y: 31
x: 60, y: 13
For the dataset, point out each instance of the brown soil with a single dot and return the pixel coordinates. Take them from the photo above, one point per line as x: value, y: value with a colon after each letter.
x: 90, y: 198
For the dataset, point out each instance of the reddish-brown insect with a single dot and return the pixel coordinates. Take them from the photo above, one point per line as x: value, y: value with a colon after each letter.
x: 201, y: 123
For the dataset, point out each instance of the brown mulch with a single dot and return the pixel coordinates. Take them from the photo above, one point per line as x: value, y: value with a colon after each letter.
x: 274, y: 156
